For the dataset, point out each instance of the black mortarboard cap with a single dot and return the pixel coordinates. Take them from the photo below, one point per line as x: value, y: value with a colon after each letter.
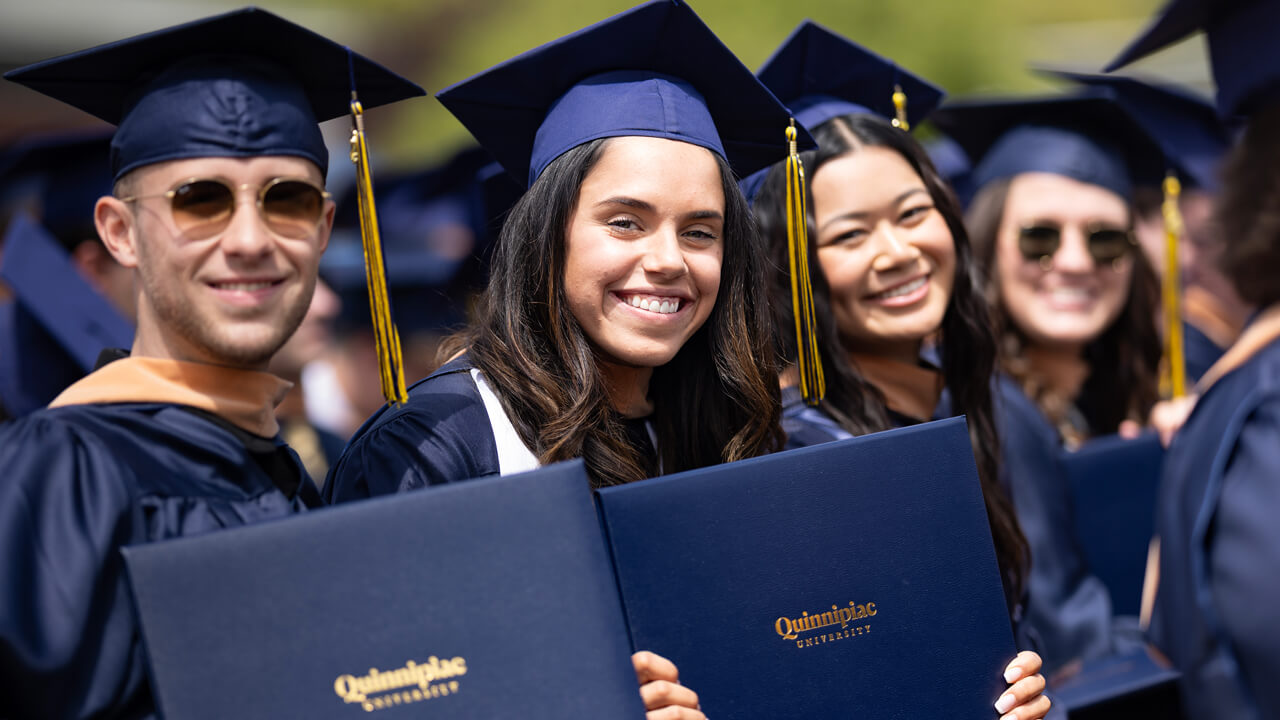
x: 656, y: 70
x: 1242, y: 47
x: 240, y: 84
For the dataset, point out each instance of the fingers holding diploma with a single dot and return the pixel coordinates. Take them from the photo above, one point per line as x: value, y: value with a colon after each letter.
x: 1025, y: 699
x: 664, y: 697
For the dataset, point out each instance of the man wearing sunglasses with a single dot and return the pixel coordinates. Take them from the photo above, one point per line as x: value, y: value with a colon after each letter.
x: 219, y: 204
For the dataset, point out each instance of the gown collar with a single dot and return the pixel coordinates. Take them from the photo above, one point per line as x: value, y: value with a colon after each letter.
x: 245, y: 398
x: 1262, y: 331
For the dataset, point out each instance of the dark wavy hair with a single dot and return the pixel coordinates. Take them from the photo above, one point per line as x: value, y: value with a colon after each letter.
x: 1249, y: 211
x: 716, y: 401
x: 1127, y: 353
x: 967, y: 345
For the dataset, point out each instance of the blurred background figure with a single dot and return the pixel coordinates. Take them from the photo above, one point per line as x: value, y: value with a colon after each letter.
x: 1052, y: 223
x: 316, y: 447
x: 69, y: 298
x: 1194, y: 142
x: 436, y: 228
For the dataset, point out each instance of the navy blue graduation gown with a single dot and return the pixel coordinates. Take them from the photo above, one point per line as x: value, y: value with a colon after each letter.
x: 441, y: 434
x: 1217, y: 517
x: 79, y: 482
x: 1068, y: 609
x: 1199, y: 351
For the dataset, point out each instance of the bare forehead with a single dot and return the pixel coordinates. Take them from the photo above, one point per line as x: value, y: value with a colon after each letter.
x: 866, y: 177
x: 1051, y: 196
x: 653, y: 169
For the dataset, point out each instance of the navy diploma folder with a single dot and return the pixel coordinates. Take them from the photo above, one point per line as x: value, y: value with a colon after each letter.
x: 492, y: 598
x: 1114, y: 482
x: 853, y: 579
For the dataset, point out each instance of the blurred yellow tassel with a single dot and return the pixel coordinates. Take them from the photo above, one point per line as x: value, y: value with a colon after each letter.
x: 1173, y: 379
x: 813, y: 386
x: 385, y: 336
x: 900, y: 108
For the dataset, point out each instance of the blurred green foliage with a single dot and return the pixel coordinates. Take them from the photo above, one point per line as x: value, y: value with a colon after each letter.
x: 983, y: 45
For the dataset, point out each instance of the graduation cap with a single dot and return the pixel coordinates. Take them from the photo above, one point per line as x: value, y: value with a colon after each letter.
x: 1193, y: 141
x: 1187, y: 129
x: 240, y: 84
x: 656, y: 70
x: 1242, y: 54
x: 56, y: 325
x: 1085, y: 136
x: 59, y: 177
x: 820, y: 75
x: 245, y: 83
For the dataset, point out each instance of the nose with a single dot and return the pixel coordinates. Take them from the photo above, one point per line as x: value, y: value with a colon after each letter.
x: 893, y: 250
x: 1073, y: 255
x: 663, y: 255
x: 247, y: 234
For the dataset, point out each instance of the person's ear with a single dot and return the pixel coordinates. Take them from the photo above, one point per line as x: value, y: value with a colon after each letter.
x: 117, y: 227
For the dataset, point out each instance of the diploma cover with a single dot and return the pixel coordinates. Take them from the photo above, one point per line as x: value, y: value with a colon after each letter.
x: 492, y: 598
x: 852, y: 579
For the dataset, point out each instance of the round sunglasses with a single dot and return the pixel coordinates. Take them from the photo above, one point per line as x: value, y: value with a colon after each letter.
x: 202, y: 207
x: 1105, y: 244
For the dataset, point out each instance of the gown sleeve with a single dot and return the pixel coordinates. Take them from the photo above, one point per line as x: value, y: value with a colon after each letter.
x: 1068, y: 608
x: 1244, y: 557
x: 441, y: 435
x: 67, y: 635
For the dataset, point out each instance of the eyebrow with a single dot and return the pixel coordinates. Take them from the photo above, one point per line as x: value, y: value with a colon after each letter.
x: 858, y: 215
x: 643, y: 206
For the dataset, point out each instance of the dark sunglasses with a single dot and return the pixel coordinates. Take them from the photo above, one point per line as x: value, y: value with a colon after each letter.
x: 1106, y: 245
x: 202, y: 208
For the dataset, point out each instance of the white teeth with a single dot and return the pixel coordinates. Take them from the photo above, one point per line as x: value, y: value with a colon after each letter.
x: 662, y: 306
x: 907, y: 289
x: 1073, y: 294
x: 243, y: 286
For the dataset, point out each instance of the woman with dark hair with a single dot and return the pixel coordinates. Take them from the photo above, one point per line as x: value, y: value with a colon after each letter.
x: 620, y: 324
x: 1219, y: 579
x: 1073, y: 298
x: 896, y: 271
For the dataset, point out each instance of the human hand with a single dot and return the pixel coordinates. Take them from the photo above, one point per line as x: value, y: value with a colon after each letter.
x: 1168, y: 416
x: 664, y: 697
x: 1025, y: 699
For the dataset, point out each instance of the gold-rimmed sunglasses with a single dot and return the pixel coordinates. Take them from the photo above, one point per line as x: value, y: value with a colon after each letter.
x: 1106, y: 245
x: 203, y: 207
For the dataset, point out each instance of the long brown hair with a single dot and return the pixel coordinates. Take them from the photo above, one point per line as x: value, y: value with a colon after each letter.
x: 1249, y: 211
x: 967, y: 346
x: 1126, y: 354
x: 716, y: 401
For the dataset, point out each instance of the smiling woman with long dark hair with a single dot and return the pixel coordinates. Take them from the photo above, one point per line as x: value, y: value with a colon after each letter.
x: 622, y: 323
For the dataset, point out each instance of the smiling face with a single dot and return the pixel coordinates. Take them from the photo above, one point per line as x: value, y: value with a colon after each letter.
x: 1071, y: 300
x: 885, y: 249
x: 643, y: 249
x: 230, y: 299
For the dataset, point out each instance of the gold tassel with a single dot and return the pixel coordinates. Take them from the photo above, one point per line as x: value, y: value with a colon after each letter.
x: 1173, y: 380
x: 813, y: 387
x: 900, y: 108
x: 385, y: 336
